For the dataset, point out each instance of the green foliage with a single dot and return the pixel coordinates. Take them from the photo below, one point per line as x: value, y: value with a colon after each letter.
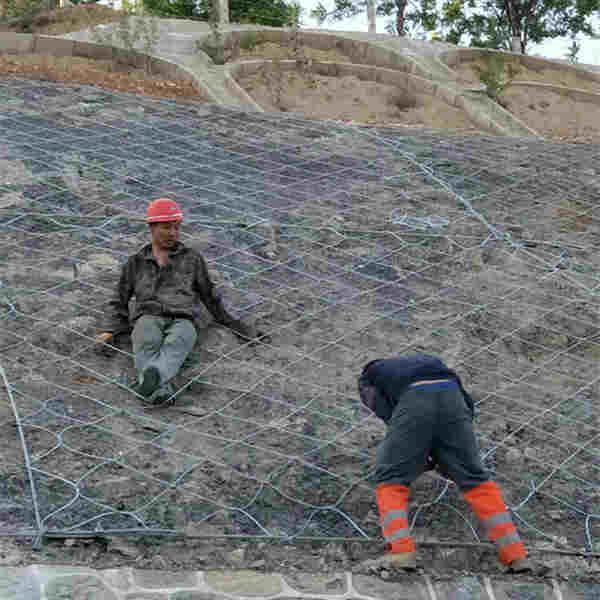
x: 496, y: 75
x: 172, y: 9
x: 483, y: 23
x: 414, y: 18
x: 493, y: 23
x: 250, y: 40
x: 275, y: 13
x: 24, y: 11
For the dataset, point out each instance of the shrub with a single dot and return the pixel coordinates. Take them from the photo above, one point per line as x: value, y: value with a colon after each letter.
x: 23, y: 11
x: 250, y: 40
x: 184, y: 9
x: 496, y: 75
x: 404, y: 100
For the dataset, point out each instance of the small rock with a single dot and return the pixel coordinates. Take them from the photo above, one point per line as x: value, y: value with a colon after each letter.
x: 385, y: 574
x: 372, y: 517
x: 594, y: 568
x: 104, y: 261
x: 513, y: 455
x: 555, y: 515
x: 122, y: 547
x: 12, y: 199
x: 529, y: 453
x: 560, y: 540
x: 237, y: 556
x: 258, y: 564
x: 10, y: 558
x: 158, y: 562
x: 69, y: 542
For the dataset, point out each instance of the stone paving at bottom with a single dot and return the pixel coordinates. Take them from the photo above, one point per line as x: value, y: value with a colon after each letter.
x: 43, y: 582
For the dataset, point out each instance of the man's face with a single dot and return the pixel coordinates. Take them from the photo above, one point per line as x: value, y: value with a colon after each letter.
x: 165, y: 235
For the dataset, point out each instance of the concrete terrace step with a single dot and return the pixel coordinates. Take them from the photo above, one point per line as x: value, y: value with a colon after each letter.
x: 45, y: 582
x: 178, y: 44
x: 425, y: 59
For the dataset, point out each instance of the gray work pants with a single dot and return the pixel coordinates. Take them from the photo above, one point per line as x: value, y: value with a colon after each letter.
x: 430, y: 420
x: 164, y: 343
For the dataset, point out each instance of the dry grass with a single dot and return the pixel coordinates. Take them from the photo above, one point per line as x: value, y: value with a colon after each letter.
x: 67, y: 20
x: 271, y: 50
x: 101, y: 73
x: 351, y: 99
x: 554, y: 76
x: 554, y: 115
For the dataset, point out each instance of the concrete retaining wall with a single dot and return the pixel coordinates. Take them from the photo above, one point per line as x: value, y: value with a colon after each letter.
x: 24, y: 43
x: 357, y: 51
x: 405, y: 81
x: 454, y: 58
x: 572, y: 93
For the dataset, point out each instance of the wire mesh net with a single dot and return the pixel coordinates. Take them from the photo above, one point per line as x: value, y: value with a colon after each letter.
x: 345, y: 244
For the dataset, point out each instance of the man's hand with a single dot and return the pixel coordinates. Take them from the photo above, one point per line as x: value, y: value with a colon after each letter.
x: 104, y: 337
x: 102, y: 346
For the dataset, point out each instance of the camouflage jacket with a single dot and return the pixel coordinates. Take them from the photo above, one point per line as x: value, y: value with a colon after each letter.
x: 173, y: 290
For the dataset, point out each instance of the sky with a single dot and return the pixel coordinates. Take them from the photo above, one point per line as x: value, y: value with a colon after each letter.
x: 557, y: 48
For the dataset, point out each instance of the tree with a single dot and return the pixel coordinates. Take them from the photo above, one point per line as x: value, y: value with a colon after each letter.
x: 182, y: 9
x: 481, y: 23
x: 410, y: 16
x: 499, y: 23
x: 275, y: 13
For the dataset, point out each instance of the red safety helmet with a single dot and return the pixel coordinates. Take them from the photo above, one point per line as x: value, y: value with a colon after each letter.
x: 163, y: 210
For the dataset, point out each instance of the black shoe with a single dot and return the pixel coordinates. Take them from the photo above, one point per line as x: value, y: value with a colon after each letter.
x: 526, y: 566
x: 163, y: 400
x: 521, y: 565
x: 150, y: 382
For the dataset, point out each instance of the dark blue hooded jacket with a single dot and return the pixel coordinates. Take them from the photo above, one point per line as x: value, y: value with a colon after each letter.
x: 389, y: 378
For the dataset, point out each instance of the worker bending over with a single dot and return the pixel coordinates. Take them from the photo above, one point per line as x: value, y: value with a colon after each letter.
x: 429, y: 418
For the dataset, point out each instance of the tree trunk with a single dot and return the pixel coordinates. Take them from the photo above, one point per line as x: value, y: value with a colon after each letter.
x: 516, y: 45
x: 223, y: 11
x: 400, y: 20
x: 371, y: 16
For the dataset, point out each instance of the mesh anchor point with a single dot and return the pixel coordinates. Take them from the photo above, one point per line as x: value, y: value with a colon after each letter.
x: 38, y: 540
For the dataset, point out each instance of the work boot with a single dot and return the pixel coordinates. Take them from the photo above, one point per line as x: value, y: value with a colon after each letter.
x: 406, y: 561
x: 162, y: 397
x: 150, y: 382
x: 521, y: 565
x: 527, y: 566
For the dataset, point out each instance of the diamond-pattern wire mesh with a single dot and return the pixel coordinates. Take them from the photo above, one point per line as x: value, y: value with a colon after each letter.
x: 345, y: 244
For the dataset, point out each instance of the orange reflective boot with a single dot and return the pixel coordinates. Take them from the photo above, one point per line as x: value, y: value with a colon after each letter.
x: 392, y: 501
x: 487, y: 503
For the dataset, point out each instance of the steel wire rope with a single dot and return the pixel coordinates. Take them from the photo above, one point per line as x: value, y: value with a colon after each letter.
x: 25, y: 454
x: 467, y: 204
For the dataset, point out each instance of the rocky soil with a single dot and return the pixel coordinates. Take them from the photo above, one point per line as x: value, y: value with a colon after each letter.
x: 345, y: 244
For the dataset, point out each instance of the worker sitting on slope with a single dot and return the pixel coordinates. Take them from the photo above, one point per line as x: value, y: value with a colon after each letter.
x: 167, y: 279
